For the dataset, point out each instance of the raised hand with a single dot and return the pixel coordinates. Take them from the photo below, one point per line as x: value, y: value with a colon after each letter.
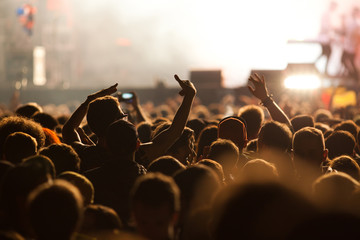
x: 187, y: 87
x: 260, y: 91
x: 102, y: 93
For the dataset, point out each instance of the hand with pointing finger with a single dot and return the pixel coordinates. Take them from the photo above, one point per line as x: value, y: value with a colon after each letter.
x: 187, y: 87
x: 260, y: 91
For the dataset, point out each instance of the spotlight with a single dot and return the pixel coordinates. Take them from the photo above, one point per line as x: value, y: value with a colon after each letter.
x: 302, y: 81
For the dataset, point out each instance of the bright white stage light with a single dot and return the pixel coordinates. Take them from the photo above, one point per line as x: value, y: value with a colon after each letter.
x: 39, y: 77
x: 303, y: 81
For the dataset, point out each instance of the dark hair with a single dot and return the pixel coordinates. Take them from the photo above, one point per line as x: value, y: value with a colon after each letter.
x: 28, y: 110
x: 301, y: 121
x: 55, y: 210
x: 306, y: 134
x: 11, y: 125
x: 144, y: 131
x: 197, y: 125
x: 275, y: 135
x: 154, y: 190
x: 322, y: 127
x: 63, y: 156
x: 18, y: 146
x: 46, y: 120
x: 121, y: 138
x: 207, y: 136
x: 102, y: 112
x: 167, y: 165
x: 83, y: 184
x: 254, y: 117
x: 220, y: 147
x: 340, y: 143
x: 99, y: 218
x: 40, y: 164
x: 347, y: 165
x: 348, y: 126
x: 215, y: 166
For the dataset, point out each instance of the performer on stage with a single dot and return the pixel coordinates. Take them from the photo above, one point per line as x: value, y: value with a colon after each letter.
x: 327, y: 33
x: 351, y: 43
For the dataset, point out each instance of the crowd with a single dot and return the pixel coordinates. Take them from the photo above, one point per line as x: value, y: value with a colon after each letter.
x: 184, y: 171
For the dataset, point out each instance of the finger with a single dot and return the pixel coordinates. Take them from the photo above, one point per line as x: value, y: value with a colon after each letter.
x: 252, y: 90
x: 182, y: 93
x: 177, y: 78
x: 251, y: 79
x: 257, y: 77
x: 262, y: 78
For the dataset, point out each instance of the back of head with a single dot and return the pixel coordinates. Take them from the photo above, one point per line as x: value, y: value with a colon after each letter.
x: 322, y: 115
x: 275, y: 135
x: 301, y: 121
x: 322, y: 127
x: 233, y: 129
x: 18, y: 146
x: 197, y: 125
x: 40, y: 164
x: 98, y: 218
x: 333, y: 190
x: 144, y: 131
x: 260, y: 211
x: 11, y: 125
x: 28, y: 110
x: 156, y: 190
x: 167, y: 165
x: 347, y: 165
x: 348, y: 126
x: 102, y: 112
x: 258, y: 170
x: 215, y: 166
x: 340, y: 143
x: 207, y: 136
x: 155, y: 201
x: 308, y: 144
x: 45, y: 120
x: 63, y: 156
x: 121, y: 138
x: 55, y: 210
x: 254, y: 117
x: 83, y: 184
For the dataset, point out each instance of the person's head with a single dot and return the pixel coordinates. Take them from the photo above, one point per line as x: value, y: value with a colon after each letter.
x: 18, y: 146
x: 28, y: 110
x: 40, y: 164
x: 166, y: 165
x: 254, y: 117
x: 340, y: 143
x: 226, y: 153
x: 122, y: 139
x: 198, y: 185
x: 259, y: 211
x: 197, y: 125
x: 45, y: 120
x: 233, y: 129
x: 63, y: 156
x: 55, y: 210
x: 215, y: 166
x: 322, y: 127
x: 301, y: 121
x: 274, y: 135
x: 348, y: 126
x: 207, y: 136
x: 347, y: 165
x: 11, y: 125
x: 334, y: 190
x: 102, y: 112
x: 322, y: 115
x: 144, y: 131
x: 99, y: 218
x: 155, y: 204
x: 83, y: 184
x: 308, y: 145
x: 258, y: 170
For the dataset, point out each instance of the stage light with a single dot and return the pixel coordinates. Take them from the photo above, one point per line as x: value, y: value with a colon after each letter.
x: 302, y: 81
x: 39, y: 77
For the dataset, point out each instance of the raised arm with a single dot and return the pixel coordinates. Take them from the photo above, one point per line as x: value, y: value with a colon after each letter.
x: 260, y: 91
x: 162, y: 142
x: 69, y: 131
x: 140, y: 115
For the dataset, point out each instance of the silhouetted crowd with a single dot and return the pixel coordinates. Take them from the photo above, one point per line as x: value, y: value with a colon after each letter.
x: 117, y: 169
